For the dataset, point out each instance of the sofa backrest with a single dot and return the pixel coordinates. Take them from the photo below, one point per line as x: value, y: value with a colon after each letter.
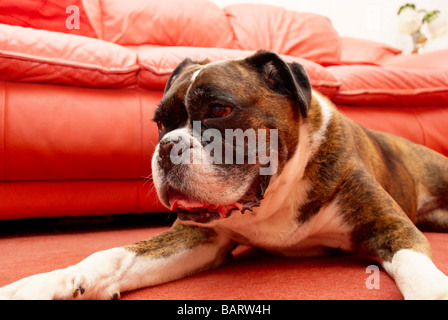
x: 193, y: 23
x: 49, y: 15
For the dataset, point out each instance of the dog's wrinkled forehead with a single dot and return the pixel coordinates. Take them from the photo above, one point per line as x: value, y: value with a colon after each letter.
x: 227, y: 75
x: 226, y: 82
x: 209, y: 78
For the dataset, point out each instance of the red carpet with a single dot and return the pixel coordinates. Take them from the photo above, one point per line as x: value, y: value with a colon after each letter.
x: 252, y: 275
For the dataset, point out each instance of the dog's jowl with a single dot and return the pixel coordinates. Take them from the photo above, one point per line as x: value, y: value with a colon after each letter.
x: 331, y: 184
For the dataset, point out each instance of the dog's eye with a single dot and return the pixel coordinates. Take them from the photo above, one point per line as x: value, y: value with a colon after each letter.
x: 219, y: 110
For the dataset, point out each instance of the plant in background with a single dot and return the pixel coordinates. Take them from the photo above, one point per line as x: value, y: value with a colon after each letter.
x: 408, y: 19
x: 437, y: 25
x: 411, y: 21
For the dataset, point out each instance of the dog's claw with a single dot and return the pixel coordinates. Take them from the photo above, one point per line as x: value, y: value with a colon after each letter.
x: 115, y: 296
x: 78, y: 291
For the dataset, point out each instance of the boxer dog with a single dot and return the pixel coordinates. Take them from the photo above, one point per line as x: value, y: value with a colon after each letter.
x: 329, y: 184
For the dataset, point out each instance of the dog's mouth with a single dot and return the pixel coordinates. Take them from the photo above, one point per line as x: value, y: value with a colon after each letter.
x: 190, y: 209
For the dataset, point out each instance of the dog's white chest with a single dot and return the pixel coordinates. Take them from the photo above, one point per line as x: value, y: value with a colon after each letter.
x: 282, y: 234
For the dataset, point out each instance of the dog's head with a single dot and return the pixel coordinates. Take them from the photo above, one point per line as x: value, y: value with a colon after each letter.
x: 224, y: 129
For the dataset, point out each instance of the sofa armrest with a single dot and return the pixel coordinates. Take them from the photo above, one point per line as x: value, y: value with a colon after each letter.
x: 431, y: 60
x: 362, y: 51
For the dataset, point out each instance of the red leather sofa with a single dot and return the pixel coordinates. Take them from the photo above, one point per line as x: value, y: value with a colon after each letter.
x: 76, y: 135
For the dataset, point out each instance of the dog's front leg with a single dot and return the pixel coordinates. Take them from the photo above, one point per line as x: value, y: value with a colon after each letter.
x: 176, y: 253
x: 383, y: 231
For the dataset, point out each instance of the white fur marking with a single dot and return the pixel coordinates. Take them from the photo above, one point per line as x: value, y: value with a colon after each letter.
x: 417, y: 276
x: 193, y: 77
x: 195, y: 74
x: 327, y: 113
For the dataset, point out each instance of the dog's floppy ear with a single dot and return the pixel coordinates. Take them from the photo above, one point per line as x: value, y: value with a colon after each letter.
x: 180, y: 67
x: 285, y: 78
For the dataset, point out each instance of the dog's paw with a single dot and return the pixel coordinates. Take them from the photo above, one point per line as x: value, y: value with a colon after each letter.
x: 43, y: 286
x: 93, y: 278
x: 98, y: 276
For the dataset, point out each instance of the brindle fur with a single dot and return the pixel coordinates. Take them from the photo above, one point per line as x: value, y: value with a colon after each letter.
x: 176, y: 239
x: 376, y: 180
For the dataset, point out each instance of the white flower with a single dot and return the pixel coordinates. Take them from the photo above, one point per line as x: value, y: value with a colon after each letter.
x: 408, y: 21
x: 438, y: 26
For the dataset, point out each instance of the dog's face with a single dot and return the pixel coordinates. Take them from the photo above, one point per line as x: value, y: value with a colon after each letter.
x: 224, y: 129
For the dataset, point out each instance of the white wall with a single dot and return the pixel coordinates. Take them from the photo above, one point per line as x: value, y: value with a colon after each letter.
x: 369, y: 19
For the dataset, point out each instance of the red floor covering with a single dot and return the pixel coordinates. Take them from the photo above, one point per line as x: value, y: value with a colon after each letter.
x: 253, y: 274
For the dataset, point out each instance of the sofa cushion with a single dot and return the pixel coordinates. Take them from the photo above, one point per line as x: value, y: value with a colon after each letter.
x: 158, y: 63
x: 300, y: 34
x: 168, y: 23
x: 388, y: 86
x: 31, y: 55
